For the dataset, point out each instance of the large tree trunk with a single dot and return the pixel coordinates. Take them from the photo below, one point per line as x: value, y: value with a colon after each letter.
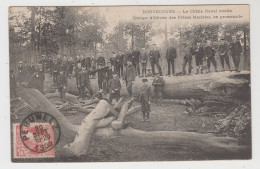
x: 38, y: 102
x: 194, y: 86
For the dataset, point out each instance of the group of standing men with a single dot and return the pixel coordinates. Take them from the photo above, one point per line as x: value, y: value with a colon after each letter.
x: 202, y: 54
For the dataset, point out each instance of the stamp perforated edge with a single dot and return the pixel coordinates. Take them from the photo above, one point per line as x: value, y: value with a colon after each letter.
x: 14, y: 149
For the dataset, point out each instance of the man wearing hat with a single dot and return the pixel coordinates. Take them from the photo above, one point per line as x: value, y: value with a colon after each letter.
x: 171, y: 55
x: 235, y: 51
x: 62, y: 84
x: 188, y: 52
x: 199, y: 55
x: 144, y: 99
x: 114, y: 87
x: 223, y: 53
x: 12, y: 85
x: 210, y: 55
x: 129, y: 77
x: 154, y: 59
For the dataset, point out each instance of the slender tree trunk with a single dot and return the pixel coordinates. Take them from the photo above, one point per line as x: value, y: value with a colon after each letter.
x: 33, y: 9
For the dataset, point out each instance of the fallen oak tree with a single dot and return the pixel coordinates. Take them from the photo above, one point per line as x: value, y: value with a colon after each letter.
x: 194, y: 86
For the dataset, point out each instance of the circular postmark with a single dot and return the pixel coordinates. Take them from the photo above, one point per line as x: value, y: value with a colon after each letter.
x: 40, y: 132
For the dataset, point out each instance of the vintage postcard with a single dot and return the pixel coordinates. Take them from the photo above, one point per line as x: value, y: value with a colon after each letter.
x: 130, y: 83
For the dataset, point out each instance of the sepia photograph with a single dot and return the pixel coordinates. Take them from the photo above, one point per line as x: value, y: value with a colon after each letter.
x: 129, y: 83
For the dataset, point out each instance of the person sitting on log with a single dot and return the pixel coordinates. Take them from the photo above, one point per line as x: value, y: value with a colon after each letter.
x: 158, y: 83
x: 62, y: 84
x: 36, y: 82
x: 114, y: 87
x: 144, y: 100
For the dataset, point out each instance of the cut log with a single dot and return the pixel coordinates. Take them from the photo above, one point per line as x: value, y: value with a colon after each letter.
x: 81, y: 141
x: 194, y: 86
x: 39, y: 102
x: 206, y: 142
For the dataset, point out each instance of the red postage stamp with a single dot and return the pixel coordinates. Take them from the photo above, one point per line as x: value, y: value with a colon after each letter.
x: 34, y: 141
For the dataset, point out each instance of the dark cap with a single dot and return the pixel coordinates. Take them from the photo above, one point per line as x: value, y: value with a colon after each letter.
x: 144, y: 80
x: 222, y: 39
x: 198, y: 41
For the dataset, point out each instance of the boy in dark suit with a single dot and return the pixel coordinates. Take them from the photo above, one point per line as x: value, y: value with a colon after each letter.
x: 144, y: 99
x: 114, y: 87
